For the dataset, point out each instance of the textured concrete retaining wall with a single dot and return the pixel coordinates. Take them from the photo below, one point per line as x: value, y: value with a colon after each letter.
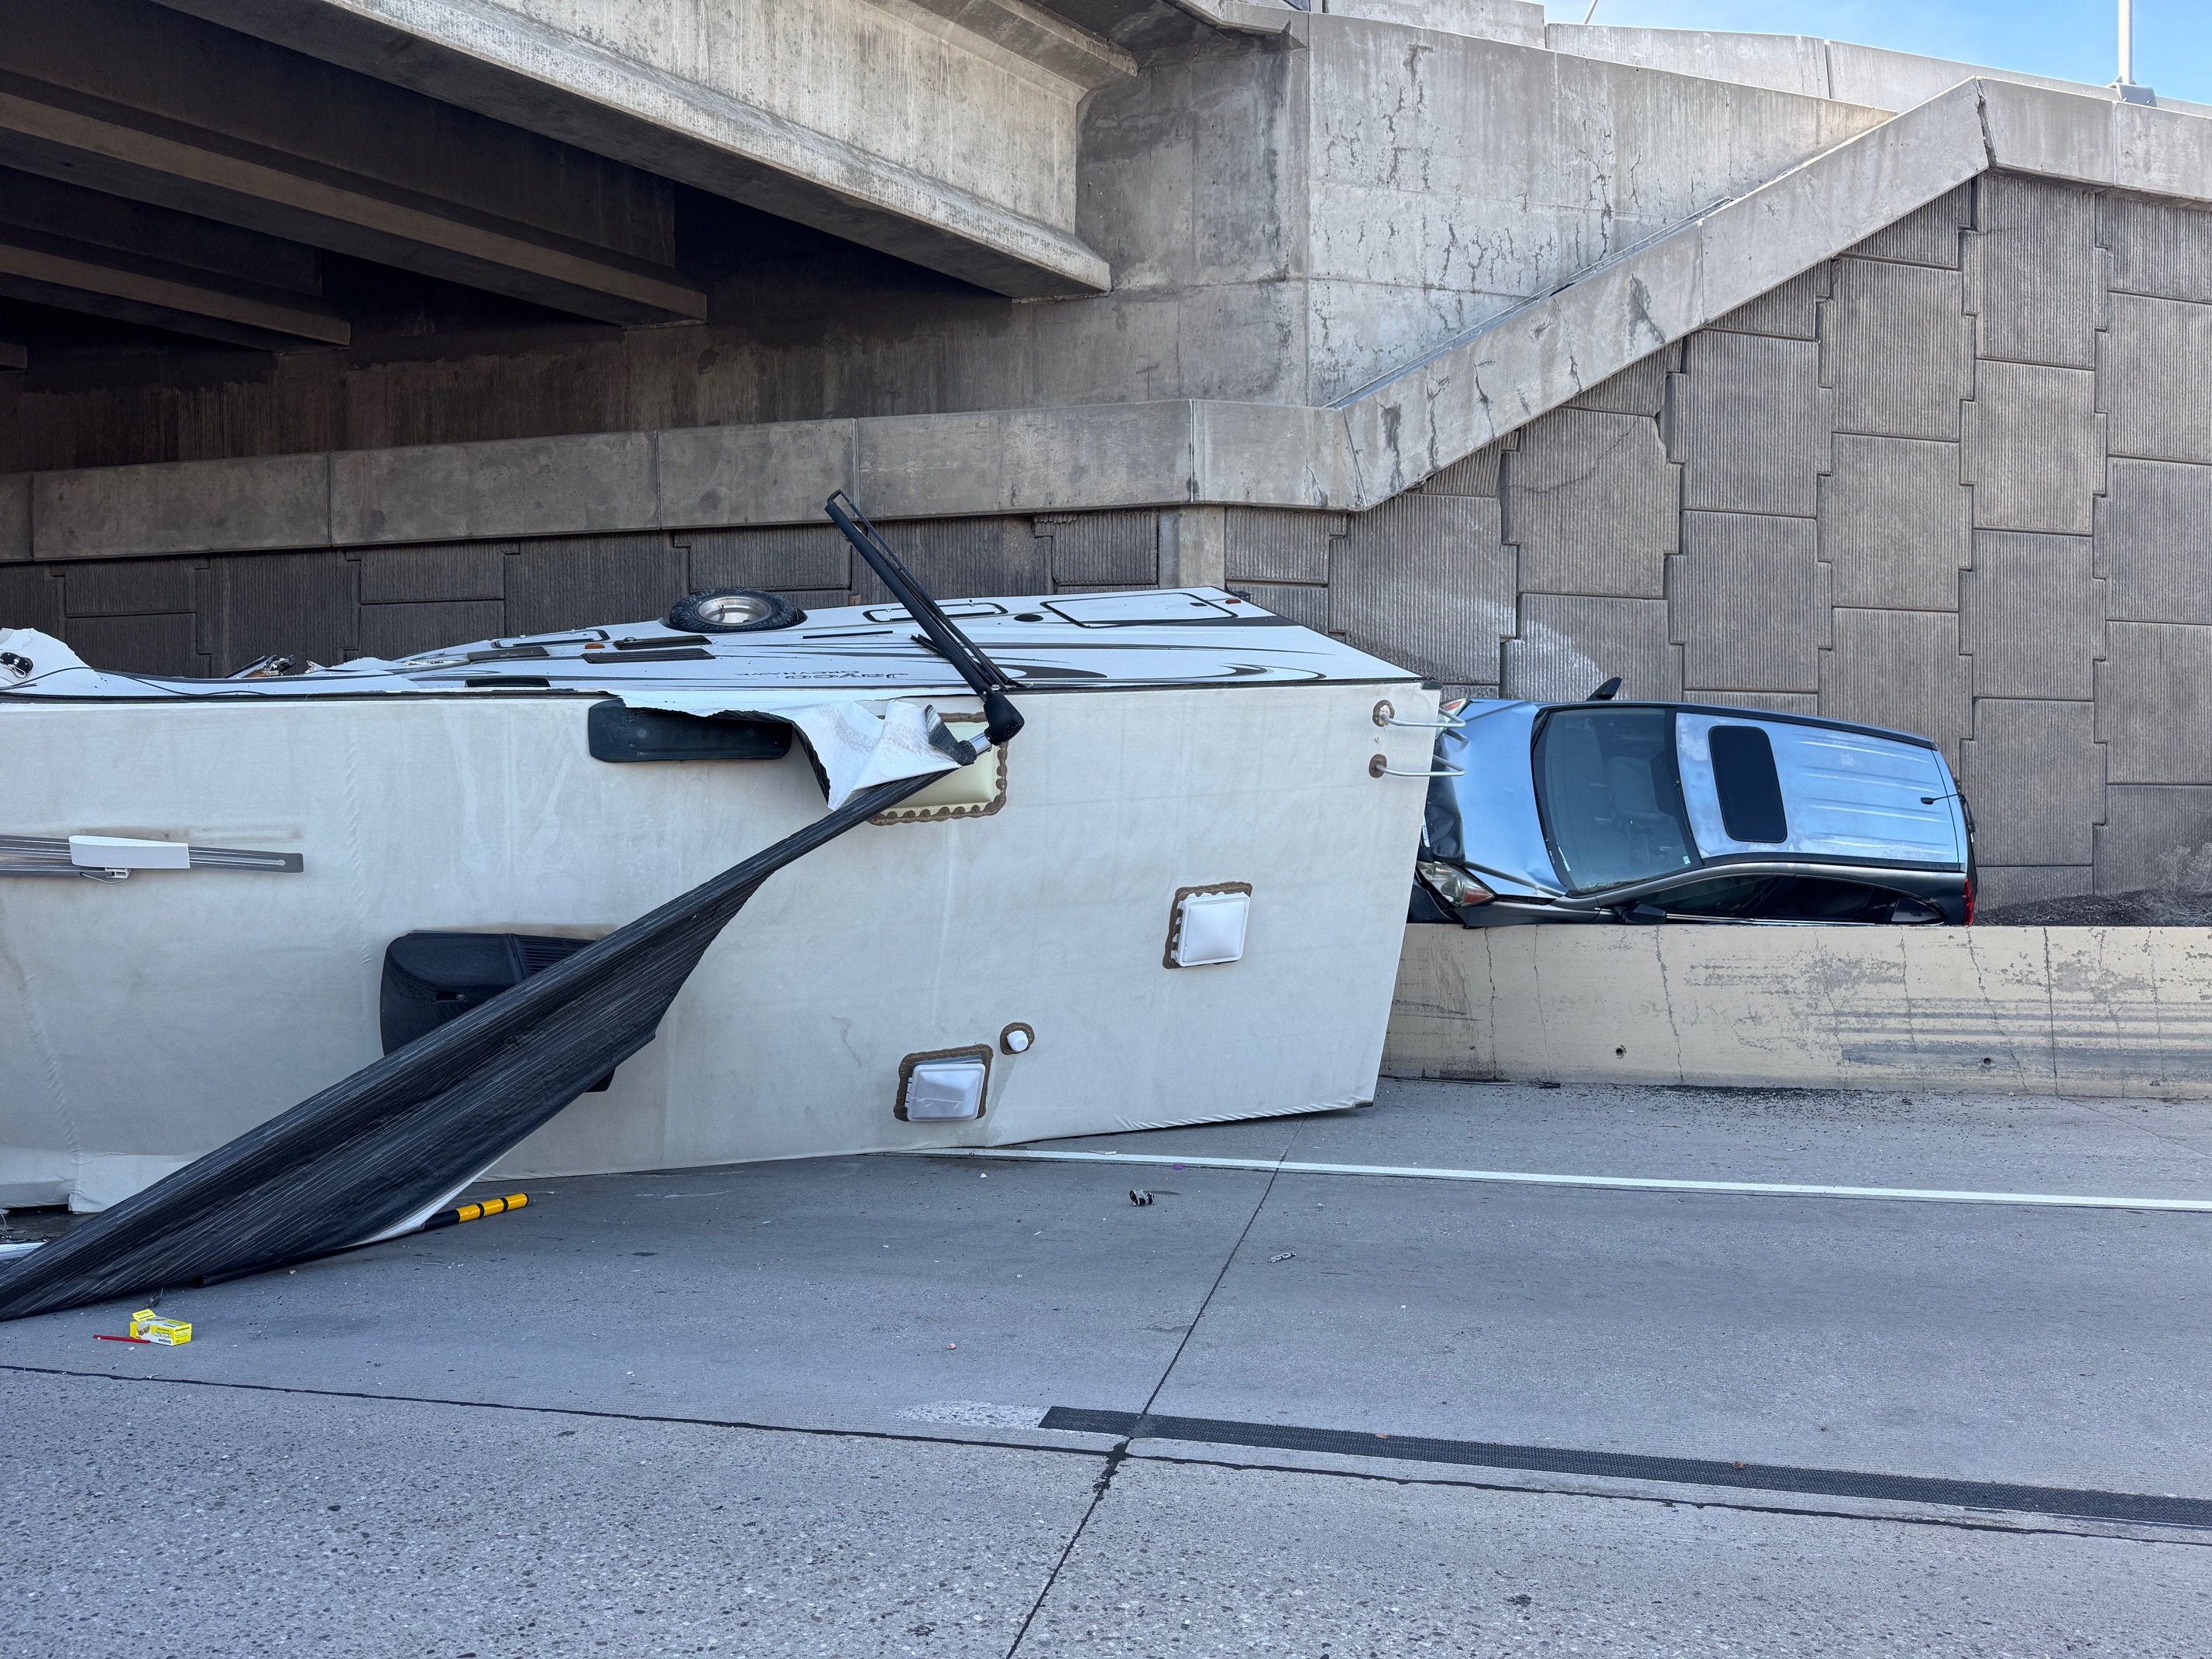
x: 2047, y: 1011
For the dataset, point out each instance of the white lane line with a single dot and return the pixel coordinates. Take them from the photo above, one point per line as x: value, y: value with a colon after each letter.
x: 1633, y: 1183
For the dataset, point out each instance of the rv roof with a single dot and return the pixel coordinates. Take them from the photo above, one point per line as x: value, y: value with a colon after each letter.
x: 1065, y: 641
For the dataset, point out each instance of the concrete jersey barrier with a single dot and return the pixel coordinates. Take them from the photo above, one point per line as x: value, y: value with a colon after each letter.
x: 2046, y: 1011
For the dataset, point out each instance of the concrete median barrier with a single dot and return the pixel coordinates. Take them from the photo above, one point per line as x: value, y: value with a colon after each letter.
x: 2046, y: 1011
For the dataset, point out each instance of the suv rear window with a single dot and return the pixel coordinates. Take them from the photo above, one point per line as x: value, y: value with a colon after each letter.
x: 1744, y: 779
x: 1610, y: 796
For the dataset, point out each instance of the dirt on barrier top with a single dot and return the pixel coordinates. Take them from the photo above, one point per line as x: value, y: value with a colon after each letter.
x: 2148, y: 907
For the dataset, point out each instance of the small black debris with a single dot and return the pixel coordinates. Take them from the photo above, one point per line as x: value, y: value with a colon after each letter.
x: 1138, y: 1195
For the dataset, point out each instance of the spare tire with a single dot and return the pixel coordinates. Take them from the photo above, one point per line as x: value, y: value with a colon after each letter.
x: 733, y: 611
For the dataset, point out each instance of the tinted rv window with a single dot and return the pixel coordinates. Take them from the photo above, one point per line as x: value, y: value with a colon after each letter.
x: 1610, y: 800
x: 1744, y: 779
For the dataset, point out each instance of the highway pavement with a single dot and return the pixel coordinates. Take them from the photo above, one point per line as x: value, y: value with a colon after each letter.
x: 906, y: 1406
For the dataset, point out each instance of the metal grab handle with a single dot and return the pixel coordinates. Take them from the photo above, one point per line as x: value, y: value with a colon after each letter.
x: 1386, y: 715
x: 1380, y: 767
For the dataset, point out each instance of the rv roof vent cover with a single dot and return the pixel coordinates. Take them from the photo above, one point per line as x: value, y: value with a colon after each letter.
x: 733, y: 611
x: 1206, y: 925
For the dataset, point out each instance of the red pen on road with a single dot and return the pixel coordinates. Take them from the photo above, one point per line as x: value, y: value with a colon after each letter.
x: 140, y: 1340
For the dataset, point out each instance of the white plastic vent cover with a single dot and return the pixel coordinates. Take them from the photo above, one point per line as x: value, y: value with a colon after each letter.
x: 939, y: 1089
x: 1209, y: 928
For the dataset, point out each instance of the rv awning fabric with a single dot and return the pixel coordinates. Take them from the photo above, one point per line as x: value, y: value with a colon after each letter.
x: 367, y: 1154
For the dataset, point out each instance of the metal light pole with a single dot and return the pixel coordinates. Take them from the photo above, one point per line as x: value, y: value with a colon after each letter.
x: 2125, y: 86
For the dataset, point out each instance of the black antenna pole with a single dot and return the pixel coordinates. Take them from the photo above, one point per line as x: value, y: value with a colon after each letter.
x: 985, y: 677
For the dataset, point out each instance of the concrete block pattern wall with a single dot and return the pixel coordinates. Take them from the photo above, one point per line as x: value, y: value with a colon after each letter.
x: 1957, y: 481
x: 1973, y: 499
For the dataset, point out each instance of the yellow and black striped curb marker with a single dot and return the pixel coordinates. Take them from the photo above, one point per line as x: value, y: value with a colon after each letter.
x: 472, y: 1211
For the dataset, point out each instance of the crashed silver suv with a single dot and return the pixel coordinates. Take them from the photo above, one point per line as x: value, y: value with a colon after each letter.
x: 1647, y: 811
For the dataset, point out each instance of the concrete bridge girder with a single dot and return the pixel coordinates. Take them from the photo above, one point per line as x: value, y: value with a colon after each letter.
x: 943, y: 131
x: 270, y: 193
x: 88, y: 251
x: 144, y: 104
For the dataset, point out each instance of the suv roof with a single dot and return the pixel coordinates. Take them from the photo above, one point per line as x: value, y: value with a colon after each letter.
x: 1737, y: 711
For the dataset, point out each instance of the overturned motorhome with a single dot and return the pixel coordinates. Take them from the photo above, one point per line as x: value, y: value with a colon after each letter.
x: 1176, y: 898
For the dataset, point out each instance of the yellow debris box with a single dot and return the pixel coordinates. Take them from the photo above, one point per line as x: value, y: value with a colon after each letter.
x: 147, y: 1327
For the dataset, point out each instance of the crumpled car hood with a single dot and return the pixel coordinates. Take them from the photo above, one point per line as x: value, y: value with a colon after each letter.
x: 1486, y: 820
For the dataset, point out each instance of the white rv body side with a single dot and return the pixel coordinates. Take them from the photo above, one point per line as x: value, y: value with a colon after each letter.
x: 145, y: 1021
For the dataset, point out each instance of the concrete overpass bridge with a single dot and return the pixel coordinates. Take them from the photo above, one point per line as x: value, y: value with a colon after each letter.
x: 1773, y: 370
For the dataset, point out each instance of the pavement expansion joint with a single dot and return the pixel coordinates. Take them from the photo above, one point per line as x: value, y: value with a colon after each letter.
x: 2136, y: 1509
x: 2008, y: 1524
x: 1119, y: 1454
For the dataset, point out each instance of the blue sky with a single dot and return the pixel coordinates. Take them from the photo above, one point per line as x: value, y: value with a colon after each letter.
x: 2071, y: 38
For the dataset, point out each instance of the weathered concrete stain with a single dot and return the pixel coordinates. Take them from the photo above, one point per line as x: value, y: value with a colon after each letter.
x: 2058, y: 1011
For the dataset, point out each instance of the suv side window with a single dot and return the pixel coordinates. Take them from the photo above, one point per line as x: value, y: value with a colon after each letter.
x: 1720, y: 895
x: 1810, y: 898
x: 1791, y: 898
